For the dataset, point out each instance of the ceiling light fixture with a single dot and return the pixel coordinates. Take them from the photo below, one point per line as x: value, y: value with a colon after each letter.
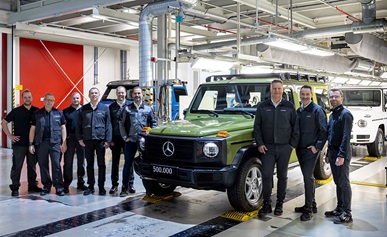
x: 283, y: 44
x: 211, y: 64
x: 317, y: 52
x: 256, y: 70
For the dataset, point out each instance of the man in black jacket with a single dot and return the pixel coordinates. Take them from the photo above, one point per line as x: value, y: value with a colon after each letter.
x: 339, y: 156
x: 118, y: 143
x: 48, y: 137
x: 135, y: 116
x: 313, y: 135
x: 94, y: 132
x: 276, y: 134
x: 71, y: 115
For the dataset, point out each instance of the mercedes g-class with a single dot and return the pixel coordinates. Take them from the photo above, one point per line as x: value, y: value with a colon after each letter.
x: 214, y: 147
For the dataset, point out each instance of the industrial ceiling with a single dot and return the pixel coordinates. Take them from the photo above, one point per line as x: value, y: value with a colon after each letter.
x: 354, y: 30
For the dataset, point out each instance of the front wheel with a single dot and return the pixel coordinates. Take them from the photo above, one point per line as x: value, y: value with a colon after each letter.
x: 156, y: 188
x: 376, y: 148
x: 246, y: 193
x: 322, y: 169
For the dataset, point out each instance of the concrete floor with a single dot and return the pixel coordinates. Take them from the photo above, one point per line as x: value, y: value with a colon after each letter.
x: 194, y: 213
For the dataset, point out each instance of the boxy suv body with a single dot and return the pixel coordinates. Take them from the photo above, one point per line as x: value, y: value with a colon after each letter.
x: 214, y: 147
x: 368, y: 107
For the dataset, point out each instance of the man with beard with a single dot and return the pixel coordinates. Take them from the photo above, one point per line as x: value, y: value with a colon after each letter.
x: 48, y: 137
x: 94, y: 132
x: 117, y: 144
x: 136, y: 116
x: 71, y: 115
x: 21, y: 117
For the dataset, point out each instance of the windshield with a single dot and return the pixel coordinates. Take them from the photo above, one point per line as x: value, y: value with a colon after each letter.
x: 233, y: 98
x: 111, y: 94
x: 356, y: 97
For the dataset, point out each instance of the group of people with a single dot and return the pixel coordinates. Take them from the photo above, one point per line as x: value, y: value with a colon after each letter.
x: 279, y: 127
x: 48, y: 134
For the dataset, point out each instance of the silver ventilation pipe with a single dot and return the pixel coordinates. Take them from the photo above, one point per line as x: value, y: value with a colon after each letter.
x: 368, y: 10
x: 145, y: 35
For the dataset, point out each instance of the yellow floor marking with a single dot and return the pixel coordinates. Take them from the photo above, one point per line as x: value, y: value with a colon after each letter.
x: 240, y: 216
x: 369, y: 184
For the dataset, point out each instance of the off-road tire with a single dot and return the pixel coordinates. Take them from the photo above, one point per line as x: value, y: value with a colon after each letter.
x: 376, y: 148
x: 322, y: 170
x: 246, y: 193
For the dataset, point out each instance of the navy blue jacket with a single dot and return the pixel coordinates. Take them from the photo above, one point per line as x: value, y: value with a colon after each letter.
x: 94, y: 124
x: 57, y: 119
x: 339, y: 131
x: 276, y: 125
x: 313, y: 126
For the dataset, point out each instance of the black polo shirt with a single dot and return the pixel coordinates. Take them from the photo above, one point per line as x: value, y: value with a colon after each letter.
x: 71, y: 115
x: 21, y: 118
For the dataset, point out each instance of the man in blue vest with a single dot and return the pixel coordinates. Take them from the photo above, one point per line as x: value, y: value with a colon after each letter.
x: 48, y: 139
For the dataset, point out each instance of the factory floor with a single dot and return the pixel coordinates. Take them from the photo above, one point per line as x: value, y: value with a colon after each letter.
x: 190, y: 212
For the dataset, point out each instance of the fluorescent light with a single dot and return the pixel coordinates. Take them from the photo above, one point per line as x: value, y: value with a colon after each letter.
x: 211, y: 64
x: 339, y: 79
x: 365, y: 83
x: 317, y: 52
x: 375, y: 83
x: 353, y: 81
x: 256, y: 70
x: 279, y: 43
x: 384, y: 75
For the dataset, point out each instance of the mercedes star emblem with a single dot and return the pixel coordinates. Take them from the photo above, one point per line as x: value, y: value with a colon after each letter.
x: 168, y: 148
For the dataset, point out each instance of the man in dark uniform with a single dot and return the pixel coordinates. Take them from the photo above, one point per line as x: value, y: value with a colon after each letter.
x: 313, y: 135
x: 21, y: 118
x: 117, y: 144
x: 136, y: 116
x: 94, y: 132
x: 339, y: 156
x: 48, y: 137
x: 276, y: 134
x: 71, y: 116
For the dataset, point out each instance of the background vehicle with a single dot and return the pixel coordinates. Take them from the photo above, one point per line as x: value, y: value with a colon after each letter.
x: 214, y: 147
x: 368, y: 107
x: 169, y: 95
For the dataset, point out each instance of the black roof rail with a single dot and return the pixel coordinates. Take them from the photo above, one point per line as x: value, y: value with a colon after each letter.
x: 282, y: 76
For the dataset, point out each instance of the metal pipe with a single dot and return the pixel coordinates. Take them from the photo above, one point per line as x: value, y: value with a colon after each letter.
x: 124, y: 64
x: 95, y: 65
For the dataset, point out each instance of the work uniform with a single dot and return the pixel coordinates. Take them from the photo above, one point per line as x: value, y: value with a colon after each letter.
x: 339, y: 136
x: 313, y: 132
x: 47, y: 141
x: 71, y: 115
x: 134, y: 118
x: 115, y: 115
x: 276, y: 127
x: 94, y: 128
x: 21, y: 118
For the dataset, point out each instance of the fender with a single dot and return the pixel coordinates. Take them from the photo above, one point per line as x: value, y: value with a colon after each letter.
x: 247, y: 151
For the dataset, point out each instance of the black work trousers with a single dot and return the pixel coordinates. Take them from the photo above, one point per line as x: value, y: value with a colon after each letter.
x: 19, y: 153
x: 276, y: 154
x: 96, y: 146
x: 307, y: 161
x: 116, y: 155
x: 44, y: 151
x: 72, y: 147
x: 341, y: 178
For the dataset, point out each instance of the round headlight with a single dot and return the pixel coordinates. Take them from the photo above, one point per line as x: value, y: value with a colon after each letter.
x: 362, y: 123
x: 141, y: 143
x: 210, y: 149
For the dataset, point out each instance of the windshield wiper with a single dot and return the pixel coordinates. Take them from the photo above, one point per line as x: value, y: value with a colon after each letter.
x: 240, y: 111
x: 209, y: 112
x: 246, y: 112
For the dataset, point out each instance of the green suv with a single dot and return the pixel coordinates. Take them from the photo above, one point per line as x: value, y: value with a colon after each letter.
x: 213, y: 148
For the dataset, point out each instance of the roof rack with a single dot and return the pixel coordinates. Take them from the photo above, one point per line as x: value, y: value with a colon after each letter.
x: 281, y: 76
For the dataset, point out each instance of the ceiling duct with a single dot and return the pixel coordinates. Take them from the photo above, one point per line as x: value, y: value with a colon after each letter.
x: 145, y: 34
x: 335, y: 63
x: 367, y: 46
x: 246, y: 41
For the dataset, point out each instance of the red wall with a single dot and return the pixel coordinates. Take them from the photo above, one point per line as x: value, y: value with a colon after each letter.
x: 4, y: 85
x: 41, y: 74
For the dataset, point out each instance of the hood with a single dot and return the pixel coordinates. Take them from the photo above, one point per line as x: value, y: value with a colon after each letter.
x: 202, y: 127
x: 360, y: 112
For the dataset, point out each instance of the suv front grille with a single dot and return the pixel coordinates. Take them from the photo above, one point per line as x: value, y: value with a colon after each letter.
x: 184, y: 149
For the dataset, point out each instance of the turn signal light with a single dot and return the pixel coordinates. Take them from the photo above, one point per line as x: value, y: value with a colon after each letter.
x: 146, y: 129
x: 223, y: 134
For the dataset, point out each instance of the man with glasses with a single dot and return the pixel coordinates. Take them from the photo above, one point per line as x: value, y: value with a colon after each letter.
x: 339, y: 156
